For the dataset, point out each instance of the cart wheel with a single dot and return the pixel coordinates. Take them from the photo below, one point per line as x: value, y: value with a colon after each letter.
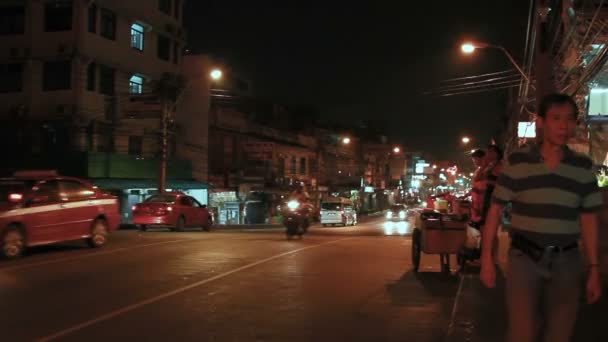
x: 416, y: 249
x: 461, y: 260
x: 445, y: 263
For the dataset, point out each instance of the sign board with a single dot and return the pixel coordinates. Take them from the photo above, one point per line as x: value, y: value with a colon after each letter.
x: 420, y: 167
x: 258, y: 150
x: 526, y: 129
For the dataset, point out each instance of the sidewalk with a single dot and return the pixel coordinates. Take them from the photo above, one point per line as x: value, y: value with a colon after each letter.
x: 480, y: 313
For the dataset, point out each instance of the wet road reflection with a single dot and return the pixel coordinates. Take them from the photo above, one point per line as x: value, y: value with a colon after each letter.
x: 397, y: 228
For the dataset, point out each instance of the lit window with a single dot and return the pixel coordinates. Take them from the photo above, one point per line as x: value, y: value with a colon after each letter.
x: 136, y: 84
x: 137, y: 37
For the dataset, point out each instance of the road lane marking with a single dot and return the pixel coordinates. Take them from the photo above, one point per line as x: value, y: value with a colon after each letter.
x: 179, y: 290
x: 89, y: 255
x: 455, y: 307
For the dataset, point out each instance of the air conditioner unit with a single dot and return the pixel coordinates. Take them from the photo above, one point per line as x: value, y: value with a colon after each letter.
x: 65, y: 109
x: 64, y: 49
x: 19, y: 53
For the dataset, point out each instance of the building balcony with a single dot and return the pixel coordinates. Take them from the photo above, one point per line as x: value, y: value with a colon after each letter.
x: 142, y: 107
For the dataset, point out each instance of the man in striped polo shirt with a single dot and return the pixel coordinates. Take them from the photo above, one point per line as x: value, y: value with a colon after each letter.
x: 554, y: 197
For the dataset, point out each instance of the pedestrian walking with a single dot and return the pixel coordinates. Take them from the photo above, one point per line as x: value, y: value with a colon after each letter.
x: 555, y: 199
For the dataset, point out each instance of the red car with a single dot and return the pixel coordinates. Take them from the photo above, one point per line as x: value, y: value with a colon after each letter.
x: 41, y: 207
x: 173, y: 209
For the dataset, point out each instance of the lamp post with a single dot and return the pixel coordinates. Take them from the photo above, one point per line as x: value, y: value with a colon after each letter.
x: 466, y: 140
x: 469, y: 48
x: 216, y: 74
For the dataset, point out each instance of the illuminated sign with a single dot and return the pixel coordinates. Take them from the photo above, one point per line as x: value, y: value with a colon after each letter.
x: 420, y: 167
x: 526, y: 129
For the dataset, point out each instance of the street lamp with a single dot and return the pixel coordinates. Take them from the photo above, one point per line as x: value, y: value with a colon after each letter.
x: 466, y: 140
x: 346, y: 140
x: 216, y: 74
x: 396, y: 149
x: 469, y: 48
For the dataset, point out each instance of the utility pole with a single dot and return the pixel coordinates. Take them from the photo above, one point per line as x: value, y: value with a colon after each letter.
x: 543, y: 58
x: 162, y: 177
x: 170, y: 90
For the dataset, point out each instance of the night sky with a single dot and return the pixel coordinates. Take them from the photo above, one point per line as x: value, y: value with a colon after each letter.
x: 369, y: 61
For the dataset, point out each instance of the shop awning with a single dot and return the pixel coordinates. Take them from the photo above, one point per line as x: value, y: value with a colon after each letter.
x: 126, y: 183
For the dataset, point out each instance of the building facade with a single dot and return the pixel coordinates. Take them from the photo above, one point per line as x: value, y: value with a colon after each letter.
x: 78, y: 90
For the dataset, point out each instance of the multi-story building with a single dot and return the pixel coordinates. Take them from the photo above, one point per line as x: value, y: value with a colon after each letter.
x: 77, y: 88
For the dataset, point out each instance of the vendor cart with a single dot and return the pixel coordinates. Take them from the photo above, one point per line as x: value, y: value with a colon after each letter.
x: 436, y: 233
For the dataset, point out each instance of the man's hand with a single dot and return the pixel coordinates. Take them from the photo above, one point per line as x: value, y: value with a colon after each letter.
x: 594, y: 287
x: 488, y: 273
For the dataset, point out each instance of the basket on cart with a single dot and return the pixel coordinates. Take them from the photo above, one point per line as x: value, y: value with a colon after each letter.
x: 437, y: 233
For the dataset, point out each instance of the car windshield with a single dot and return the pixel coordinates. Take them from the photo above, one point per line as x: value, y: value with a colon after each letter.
x: 12, y: 187
x: 330, y: 206
x: 162, y: 199
x: 397, y: 207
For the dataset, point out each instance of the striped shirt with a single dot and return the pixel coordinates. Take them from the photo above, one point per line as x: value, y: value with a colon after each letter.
x: 547, y: 203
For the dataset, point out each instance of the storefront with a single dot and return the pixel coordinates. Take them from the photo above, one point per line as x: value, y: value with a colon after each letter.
x: 133, y: 191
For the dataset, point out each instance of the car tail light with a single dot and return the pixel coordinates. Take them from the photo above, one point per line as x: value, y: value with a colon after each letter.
x: 15, y: 197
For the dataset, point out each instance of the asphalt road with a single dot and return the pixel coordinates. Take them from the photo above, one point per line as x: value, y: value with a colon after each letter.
x: 336, y: 284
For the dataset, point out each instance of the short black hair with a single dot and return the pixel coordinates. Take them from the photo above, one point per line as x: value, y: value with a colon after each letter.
x: 496, y: 149
x: 556, y: 99
x: 478, y: 154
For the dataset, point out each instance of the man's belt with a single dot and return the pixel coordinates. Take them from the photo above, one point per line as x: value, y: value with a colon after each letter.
x: 536, y: 252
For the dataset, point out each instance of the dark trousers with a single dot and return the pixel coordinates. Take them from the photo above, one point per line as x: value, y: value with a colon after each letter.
x: 543, y: 297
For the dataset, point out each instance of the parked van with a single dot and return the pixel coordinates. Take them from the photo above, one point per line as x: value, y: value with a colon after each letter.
x: 338, y: 211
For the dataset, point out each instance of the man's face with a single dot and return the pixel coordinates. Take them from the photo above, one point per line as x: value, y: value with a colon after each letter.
x: 491, y: 157
x: 477, y: 161
x: 558, y: 124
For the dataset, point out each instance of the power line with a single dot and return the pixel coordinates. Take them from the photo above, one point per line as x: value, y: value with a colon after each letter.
x: 478, y: 87
x: 479, y: 76
x: 488, y: 82
x: 478, y: 91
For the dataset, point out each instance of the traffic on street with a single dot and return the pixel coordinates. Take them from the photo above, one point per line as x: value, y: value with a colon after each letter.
x: 338, y: 283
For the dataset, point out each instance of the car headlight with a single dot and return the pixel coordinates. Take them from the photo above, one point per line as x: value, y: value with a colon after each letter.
x: 402, y: 214
x: 389, y: 215
x: 293, y: 205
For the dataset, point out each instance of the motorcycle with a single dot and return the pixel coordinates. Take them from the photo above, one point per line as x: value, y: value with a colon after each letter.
x: 296, y: 218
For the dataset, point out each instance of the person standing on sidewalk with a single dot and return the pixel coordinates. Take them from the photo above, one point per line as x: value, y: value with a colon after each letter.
x: 478, y: 189
x: 555, y: 199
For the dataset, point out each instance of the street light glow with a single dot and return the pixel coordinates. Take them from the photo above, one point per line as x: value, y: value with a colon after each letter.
x: 468, y: 48
x: 434, y: 166
x: 466, y: 140
x: 396, y: 149
x: 216, y: 74
x: 346, y: 140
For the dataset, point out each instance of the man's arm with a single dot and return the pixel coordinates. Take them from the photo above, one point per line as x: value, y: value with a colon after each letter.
x: 489, y: 232
x: 589, y: 232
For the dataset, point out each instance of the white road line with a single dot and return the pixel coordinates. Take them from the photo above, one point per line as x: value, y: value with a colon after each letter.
x: 455, y: 307
x: 179, y: 290
x: 90, y: 255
